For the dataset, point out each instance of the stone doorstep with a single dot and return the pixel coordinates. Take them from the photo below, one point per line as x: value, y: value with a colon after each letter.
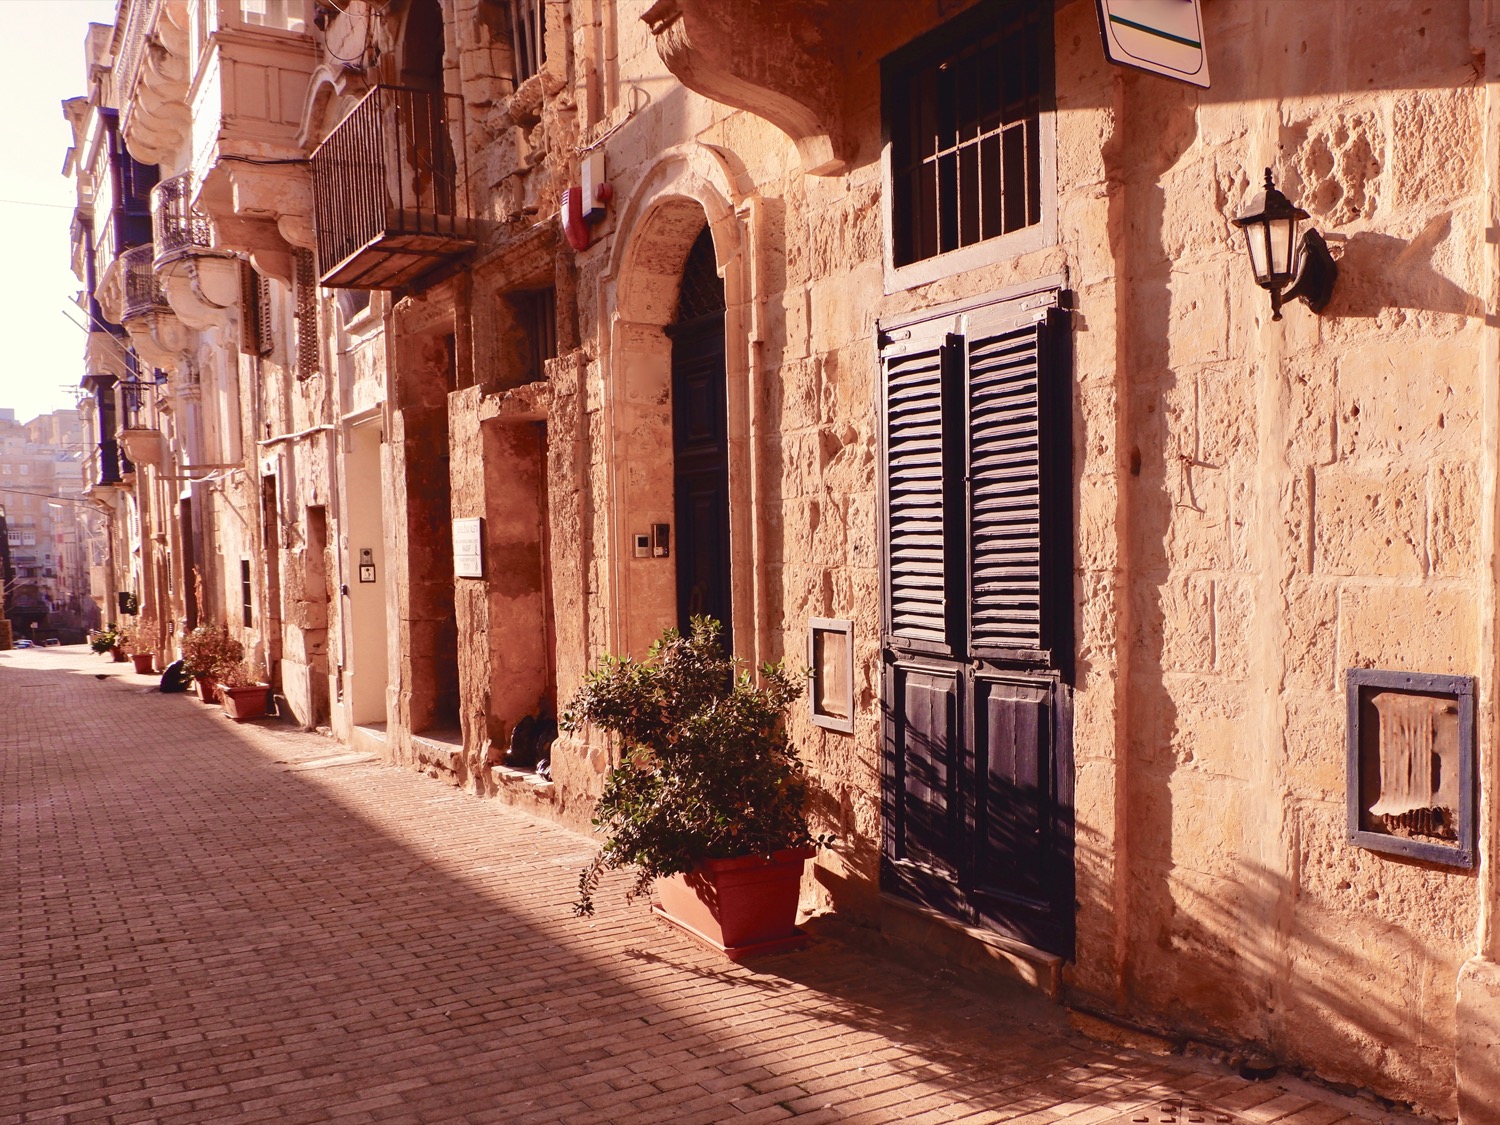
x: 513, y: 783
x: 935, y: 937
x: 438, y: 748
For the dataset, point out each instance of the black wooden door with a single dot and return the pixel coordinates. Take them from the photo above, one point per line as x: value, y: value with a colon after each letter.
x: 700, y: 452
x: 977, y: 756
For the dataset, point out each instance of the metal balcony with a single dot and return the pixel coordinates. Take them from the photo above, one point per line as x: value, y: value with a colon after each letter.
x: 143, y: 292
x: 390, y: 199
x: 178, y: 229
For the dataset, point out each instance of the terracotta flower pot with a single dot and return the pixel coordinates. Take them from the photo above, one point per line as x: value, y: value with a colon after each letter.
x: 208, y: 691
x: 117, y: 654
x: 145, y: 662
x: 738, y: 906
x: 245, y: 703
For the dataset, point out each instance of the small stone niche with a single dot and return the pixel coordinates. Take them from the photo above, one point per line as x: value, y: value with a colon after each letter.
x: 1411, y: 765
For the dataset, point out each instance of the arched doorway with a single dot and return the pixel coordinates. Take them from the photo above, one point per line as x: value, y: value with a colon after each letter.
x: 700, y: 442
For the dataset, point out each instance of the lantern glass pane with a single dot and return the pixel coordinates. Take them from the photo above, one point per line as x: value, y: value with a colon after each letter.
x: 1283, y: 232
x: 1260, y: 253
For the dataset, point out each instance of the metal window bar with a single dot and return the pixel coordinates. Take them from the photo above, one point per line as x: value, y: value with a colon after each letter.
x: 967, y: 157
x: 388, y: 172
x: 177, y: 228
x: 143, y: 292
x: 528, y: 36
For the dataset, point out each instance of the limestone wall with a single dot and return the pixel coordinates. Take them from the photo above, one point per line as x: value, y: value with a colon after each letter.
x: 1259, y: 505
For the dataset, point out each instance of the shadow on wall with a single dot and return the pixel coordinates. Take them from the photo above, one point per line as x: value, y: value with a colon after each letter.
x: 1379, y: 272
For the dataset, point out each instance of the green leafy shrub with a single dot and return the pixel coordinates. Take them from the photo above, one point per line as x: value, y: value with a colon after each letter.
x: 102, y: 640
x: 211, y: 650
x: 706, y: 769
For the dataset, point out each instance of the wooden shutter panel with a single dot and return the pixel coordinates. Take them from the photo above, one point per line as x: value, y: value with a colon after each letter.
x: 915, y: 496
x: 1005, y: 506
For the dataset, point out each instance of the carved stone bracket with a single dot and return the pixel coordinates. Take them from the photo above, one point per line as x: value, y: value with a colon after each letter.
x: 765, y: 56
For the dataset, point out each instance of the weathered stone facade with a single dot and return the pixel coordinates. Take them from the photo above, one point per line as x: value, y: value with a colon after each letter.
x: 1252, y: 507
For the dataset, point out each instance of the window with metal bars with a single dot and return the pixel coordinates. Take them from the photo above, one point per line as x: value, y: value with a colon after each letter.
x: 963, y: 110
x: 306, y: 315
x: 528, y: 36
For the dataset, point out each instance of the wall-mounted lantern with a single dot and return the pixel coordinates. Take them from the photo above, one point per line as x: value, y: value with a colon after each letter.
x: 1290, y: 268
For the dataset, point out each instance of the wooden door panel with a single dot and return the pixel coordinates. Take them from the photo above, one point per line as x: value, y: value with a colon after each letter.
x: 924, y: 747
x: 700, y: 457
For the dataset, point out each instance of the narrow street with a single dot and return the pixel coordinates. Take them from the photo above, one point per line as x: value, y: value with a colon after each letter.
x: 210, y: 922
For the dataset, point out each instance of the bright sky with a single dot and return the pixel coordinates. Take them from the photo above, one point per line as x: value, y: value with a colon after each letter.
x: 43, y: 352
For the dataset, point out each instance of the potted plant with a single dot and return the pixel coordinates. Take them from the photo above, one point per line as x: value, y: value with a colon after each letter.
x: 244, y: 697
x: 208, y: 653
x: 129, y: 642
x: 708, y: 797
x: 107, y: 640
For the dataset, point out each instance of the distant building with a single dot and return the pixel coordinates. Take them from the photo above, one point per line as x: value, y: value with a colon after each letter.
x: 47, y: 592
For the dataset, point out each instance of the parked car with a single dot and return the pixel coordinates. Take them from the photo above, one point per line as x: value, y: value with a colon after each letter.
x: 24, y: 643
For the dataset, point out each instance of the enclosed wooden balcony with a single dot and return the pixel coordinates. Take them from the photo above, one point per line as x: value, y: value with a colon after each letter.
x: 390, y: 198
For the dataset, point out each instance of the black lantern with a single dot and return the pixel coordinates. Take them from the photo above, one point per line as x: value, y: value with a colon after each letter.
x: 1290, y: 268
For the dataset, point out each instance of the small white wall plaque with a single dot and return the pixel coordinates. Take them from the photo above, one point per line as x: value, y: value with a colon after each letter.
x: 468, y: 551
x: 1161, y: 36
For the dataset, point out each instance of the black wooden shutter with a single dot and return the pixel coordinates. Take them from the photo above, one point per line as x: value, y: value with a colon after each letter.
x: 916, y: 500
x: 977, y: 487
x: 1005, y: 503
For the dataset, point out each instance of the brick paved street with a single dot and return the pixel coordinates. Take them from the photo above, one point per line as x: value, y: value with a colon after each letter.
x: 208, y: 922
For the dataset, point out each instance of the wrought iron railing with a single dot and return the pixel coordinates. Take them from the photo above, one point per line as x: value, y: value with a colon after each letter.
x: 388, y: 173
x: 143, y: 292
x: 138, y: 24
x: 177, y: 228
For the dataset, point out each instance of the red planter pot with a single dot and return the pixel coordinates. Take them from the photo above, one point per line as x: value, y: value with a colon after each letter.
x: 739, y: 906
x: 208, y: 691
x: 145, y: 662
x: 117, y: 654
x: 245, y: 703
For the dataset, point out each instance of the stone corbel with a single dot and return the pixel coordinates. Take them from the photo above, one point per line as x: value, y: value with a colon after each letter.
x: 262, y: 211
x: 730, y: 53
x: 204, y: 291
x: 159, y: 338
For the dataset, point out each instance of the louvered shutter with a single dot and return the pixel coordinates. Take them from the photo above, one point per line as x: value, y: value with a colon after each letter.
x: 918, y: 571
x: 1005, y: 500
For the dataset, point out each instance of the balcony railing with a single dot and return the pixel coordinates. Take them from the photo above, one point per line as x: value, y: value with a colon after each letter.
x: 143, y: 292
x: 390, y: 199
x: 177, y: 228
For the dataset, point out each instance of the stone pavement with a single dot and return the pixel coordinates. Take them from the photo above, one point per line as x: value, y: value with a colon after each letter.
x: 205, y: 922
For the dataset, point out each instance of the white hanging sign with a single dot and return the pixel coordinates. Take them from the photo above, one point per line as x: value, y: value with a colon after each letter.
x: 1162, y: 36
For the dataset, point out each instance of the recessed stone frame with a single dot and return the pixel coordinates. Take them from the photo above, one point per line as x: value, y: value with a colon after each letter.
x: 1411, y: 779
x: 659, y: 220
x: 830, y: 687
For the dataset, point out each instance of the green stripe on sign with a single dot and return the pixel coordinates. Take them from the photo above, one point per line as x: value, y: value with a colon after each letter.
x: 1156, y: 31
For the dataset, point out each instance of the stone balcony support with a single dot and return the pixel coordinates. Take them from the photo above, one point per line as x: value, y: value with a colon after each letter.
x: 769, y: 57
x: 155, y: 75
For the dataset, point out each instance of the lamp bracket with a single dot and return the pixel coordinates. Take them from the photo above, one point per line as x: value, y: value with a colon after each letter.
x: 1316, y: 273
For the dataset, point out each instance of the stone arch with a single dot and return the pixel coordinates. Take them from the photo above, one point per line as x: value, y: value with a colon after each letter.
x: 659, y: 221
x: 329, y: 98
